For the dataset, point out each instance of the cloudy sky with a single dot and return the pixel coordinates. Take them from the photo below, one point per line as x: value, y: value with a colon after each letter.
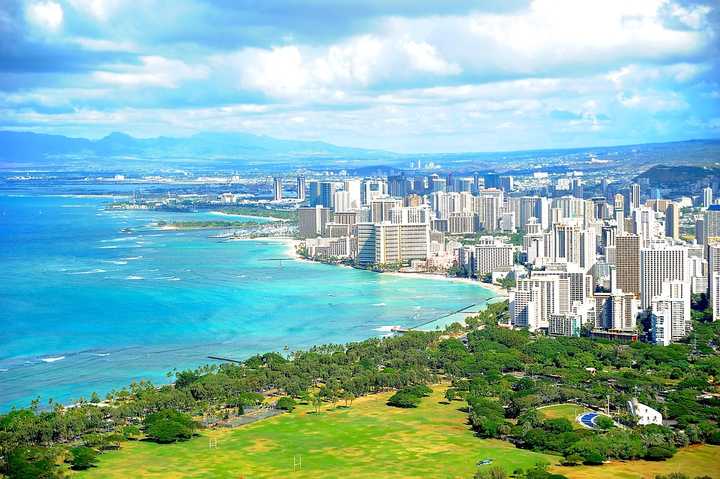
x: 403, y: 75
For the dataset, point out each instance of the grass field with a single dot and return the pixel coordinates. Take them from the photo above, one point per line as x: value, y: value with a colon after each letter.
x: 693, y: 461
x: 568, y: 411
x: 367, y: 440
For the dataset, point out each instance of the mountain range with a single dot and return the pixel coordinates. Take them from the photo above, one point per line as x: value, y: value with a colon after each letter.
x: 27, y: 149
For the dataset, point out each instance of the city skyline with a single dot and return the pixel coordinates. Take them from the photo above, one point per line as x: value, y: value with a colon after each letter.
x: 489, y: 76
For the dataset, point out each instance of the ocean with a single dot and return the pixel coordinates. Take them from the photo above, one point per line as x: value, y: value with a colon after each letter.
x: 92, y: 299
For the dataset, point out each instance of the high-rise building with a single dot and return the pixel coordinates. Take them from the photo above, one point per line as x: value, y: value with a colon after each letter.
x: 387, y: 243
x: 327, y: 194
x: 672, y: 221
x: 371, y: 189
x: 353, y: 188
x: 660, y: 263
x: 277, y: 189
x: 526, y: 207
x: 616, y: 311
x: 635, y: 195
x: 713, y: 263
x: 314, y: 192
x: 534, y: 299
x: 301, y: 187
x: 670, y: 313
x: 700, y: 230
x: 491, y: 255
x: 627, y: 259
x: 312, y: 221
x: 644, y: 224
x: 506, y: 183
x: 707, y: 197
x: 341, y: 201
x: 462, y: 222
x: 711, y: 225
x: 381, y: 208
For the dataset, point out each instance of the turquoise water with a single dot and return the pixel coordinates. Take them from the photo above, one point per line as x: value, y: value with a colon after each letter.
x: 87, y: 307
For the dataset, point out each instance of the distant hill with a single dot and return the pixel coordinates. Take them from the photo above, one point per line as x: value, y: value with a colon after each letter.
x: 680, y: 175
x: 34, y: 148
x: 25, y: 149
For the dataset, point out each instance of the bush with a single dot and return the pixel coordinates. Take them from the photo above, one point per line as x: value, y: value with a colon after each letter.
x: 168, y: 426
x: 572, y: 460
x: 404, y: 399
x: 604, y: 422
x: 286, y: 404
x: 421, y: 390
x: 593, y: 458
x: 659, y: 453
x: 82, y: 458
x: 32, y: 463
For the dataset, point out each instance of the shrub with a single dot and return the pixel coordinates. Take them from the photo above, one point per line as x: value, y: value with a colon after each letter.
x: 286, y: 404
x: 420, y: 390
x: 604, y: 422
x: 659, y: 453
x: 82, y: 458
x: 404, y: 399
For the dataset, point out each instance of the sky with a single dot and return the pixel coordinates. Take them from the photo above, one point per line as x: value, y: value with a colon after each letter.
x: 403, y: 75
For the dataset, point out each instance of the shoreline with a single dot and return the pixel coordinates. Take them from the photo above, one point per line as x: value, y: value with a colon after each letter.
x: 293, y: 243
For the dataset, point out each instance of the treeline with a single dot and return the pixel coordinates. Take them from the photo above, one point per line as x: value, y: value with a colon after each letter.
x: 34, y: 441
x: 287, y: 215
x: 503, y: 376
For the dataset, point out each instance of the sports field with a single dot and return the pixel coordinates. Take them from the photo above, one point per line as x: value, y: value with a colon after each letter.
x: 567, y: 411
x: 368, y: 440
x: 692, y: 461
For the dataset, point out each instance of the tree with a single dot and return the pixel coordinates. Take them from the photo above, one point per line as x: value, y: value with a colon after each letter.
x: 286, y: 404
x: 82, y: 457
x: 32, y: 463
x: 404, y: 399
x: 604, y: 422
x: 168, y: 426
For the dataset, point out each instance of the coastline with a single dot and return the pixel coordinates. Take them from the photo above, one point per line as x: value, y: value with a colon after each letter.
x: 269, y: 218
x: 292, y: 244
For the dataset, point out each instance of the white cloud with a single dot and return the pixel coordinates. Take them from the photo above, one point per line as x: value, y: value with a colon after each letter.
x: 101, y: 10
x: 425, y: 58
x: 154, y: 71
x: 46, y: 15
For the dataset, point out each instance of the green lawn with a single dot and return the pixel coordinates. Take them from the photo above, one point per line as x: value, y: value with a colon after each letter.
x: 568, y: 411
x: 693, y: 461
x: 367, y: 440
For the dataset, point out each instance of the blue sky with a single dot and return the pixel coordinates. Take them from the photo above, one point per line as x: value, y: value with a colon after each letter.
x: 409, y: 76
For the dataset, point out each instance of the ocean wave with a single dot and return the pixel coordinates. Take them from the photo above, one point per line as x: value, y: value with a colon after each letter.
x: 108, y: 247
x: 169, y: 278
x: 122, y: 238
x: 102, y: 355
x: 131, y: 258
x: 52, y: 359
x: 379, y: 304
x: 387, y: 329
x: 118, y: 261
x: 3, y: 370
x: 92, y: 271
x: 134, y: 278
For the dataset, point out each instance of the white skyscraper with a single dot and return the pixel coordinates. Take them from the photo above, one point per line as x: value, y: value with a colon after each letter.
x: 670, y: 313
x: 277, y: 189
x: 353, y: 188
x: 707, y: 197
x: 660, y: 263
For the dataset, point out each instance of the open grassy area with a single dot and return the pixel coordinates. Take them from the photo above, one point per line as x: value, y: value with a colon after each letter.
x: 693, y: 461
x: 367, y: 440
x: 568, y: 411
